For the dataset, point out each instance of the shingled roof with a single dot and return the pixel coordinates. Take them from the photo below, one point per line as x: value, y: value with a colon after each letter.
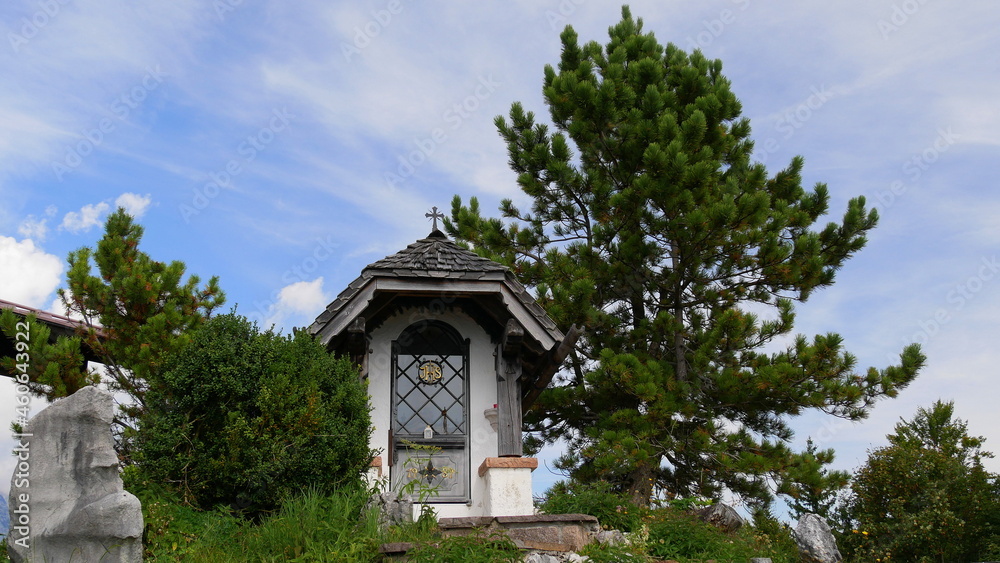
x: 435, y: 266
x: 434, y: 257
x: 437, y: 253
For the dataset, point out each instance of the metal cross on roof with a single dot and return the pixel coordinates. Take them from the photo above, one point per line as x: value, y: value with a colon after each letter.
x: 434, y: 215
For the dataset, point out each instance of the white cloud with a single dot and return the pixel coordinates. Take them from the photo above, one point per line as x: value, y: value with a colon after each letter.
x: 297, y: 300
x: 33, y: 228
x: 57, y: 307
x: 30, y: 275
x: 135, y: 204
x: 89, y: 216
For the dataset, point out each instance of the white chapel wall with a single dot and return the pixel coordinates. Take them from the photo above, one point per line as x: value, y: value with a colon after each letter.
x: 482, y: 395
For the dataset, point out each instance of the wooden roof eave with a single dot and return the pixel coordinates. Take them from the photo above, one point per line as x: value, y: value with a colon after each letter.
x: 357, y: 304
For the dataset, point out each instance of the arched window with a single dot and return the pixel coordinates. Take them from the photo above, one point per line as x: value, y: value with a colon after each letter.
x: 430, y: 408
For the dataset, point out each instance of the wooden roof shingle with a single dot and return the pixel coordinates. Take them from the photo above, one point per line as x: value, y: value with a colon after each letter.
x: 436, y: 257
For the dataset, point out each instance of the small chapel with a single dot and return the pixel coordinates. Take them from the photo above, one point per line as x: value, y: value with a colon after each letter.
x: 454, y: 350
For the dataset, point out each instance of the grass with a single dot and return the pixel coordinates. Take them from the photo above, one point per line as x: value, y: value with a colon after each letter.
x: 309, y: 528
x: 336, y: 528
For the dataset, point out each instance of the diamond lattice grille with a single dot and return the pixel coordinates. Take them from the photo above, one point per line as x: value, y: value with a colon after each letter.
x: 440, y: 405
x: 430, y: 376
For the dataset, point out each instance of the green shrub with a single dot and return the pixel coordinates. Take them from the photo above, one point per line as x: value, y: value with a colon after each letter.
x: 682, y: 536
x: 612, y: 509
x: 925, y: 497
x: 245, y: 418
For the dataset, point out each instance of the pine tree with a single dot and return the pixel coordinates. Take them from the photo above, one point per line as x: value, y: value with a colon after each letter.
x: 810, y: 486
x: 137, y: 311
x: 651, y: 227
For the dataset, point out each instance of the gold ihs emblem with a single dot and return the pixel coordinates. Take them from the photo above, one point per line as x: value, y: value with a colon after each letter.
x: 430, y: 372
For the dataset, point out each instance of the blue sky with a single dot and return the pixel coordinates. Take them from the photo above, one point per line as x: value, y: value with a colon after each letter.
x: 285, y: 146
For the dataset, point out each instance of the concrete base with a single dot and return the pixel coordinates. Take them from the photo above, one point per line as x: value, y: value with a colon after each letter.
x: 374, y: 473
x: 508, y: 485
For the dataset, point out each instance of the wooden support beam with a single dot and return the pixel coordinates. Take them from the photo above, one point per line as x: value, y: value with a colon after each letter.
x: 513, y: 338
x: 357, y: 345
x: 509, y: 368
x: 550, y: 365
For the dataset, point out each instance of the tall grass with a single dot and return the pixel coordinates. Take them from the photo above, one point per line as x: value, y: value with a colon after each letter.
x: 308, y: 528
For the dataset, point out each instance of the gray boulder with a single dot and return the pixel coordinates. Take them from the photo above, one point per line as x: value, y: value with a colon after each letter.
x: 393, y: 509
x: 815, y: 540
x: 721, y: 516
x: 610, y: 537
x: 66, y: 497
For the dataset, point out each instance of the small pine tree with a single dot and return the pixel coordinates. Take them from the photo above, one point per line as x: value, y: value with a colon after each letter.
x: 137, y: 311
x: 810, y: 486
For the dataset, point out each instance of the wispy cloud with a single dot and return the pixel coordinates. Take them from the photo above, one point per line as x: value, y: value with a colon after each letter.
x: 88, y: 217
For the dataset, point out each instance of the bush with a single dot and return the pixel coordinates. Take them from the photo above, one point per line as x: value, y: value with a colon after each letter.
x: 308, y: 527
x: 246, y: 418
x: 926, y: 496
x: 613, y: 510
x: 682, y: 536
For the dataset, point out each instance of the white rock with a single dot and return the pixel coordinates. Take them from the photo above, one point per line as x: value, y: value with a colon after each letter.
x: 815, y: 540
x: 541, y: 558
x: 76, y: 508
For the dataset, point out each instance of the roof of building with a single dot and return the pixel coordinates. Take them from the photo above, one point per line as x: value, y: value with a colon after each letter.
x: 436, y: 253
x: 435, y: 267
x: 59, y: 325
x: 435, y: 257
x: 51, y: 319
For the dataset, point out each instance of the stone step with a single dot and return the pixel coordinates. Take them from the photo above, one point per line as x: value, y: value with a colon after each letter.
x: 545, y: 532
